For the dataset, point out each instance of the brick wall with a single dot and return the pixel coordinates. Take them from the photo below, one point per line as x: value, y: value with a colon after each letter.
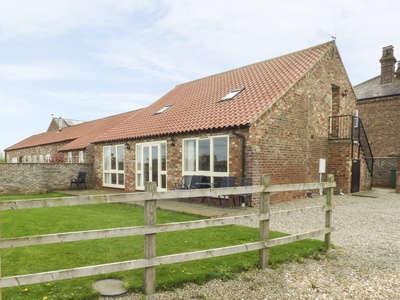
x: 383, y: 170
x: 381, y: 121
x: 288, y: 141
x: 339, y: 164
x: 21, y: 155
x: 36, y: 178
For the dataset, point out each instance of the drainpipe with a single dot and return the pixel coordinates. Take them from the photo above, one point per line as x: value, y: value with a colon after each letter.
x: 243, y: 151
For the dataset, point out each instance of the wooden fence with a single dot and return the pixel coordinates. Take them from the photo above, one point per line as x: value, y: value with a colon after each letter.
x: 150, y: 230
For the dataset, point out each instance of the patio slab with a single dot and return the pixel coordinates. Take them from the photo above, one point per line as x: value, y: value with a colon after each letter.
x: 110, y: 287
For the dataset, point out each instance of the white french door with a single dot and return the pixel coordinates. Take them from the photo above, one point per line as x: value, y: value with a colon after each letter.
x: 151, y: 165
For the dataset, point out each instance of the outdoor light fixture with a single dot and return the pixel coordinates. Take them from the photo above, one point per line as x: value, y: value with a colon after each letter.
x: 344, y: 93
x: 172, y: 142
x: 127, y: 146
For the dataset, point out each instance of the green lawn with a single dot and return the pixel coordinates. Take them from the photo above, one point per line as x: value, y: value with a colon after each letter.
x: 34, y: 196
x: 43, y: 258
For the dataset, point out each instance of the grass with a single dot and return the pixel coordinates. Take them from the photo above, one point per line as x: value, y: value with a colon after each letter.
x: 25, y: 260
x: 34, y: 196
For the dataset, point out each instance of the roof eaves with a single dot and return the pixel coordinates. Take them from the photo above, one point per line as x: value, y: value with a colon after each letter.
x: 38, y: 144
x: 377, y: 97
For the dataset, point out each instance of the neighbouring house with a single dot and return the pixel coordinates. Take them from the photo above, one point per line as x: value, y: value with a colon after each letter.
x: 61, y: 123
x: 287, y: 117
x: 65, y: 141
x: 378, y: 102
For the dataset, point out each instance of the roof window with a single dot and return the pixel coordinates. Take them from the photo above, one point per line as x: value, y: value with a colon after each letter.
x: 163, y: 109
x: 231, y: 95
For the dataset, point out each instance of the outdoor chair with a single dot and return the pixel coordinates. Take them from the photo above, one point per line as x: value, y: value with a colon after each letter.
x: 79, y: 180
x: 189, y: 182
x: 244, y: 197
x: 227, y: 182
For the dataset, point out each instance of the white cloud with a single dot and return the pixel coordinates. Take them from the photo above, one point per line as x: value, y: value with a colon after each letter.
x: 89, y: 59
x: 40, y: 71
x: 43, y: 18
x: 88, y: 105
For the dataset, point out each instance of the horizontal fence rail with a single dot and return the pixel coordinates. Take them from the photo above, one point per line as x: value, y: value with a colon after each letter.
x: 150, y: 229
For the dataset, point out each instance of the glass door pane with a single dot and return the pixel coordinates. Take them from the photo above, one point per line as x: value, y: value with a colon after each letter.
x: 204, y: 155
x: 146, y: 164
x: 154, y: 164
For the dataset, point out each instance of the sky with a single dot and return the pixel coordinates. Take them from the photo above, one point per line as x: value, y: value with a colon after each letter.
x: 89, y: 59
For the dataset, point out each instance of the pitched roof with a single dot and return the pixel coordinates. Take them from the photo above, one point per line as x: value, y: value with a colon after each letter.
x: 77, y: 137
x: 57, y: 123
x: 373, y: 88
x: 195, y: 105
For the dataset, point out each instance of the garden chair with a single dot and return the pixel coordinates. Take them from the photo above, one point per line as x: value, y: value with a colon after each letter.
x: 244, y: 197
x: 79, y: 180
x: 227, y: 182
x: 189, y: 182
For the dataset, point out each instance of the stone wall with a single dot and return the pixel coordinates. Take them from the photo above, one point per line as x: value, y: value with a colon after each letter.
x: 30, y: 178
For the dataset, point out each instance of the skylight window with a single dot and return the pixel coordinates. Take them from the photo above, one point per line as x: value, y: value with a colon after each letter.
x: 163, y: 109
x: 231, y: 95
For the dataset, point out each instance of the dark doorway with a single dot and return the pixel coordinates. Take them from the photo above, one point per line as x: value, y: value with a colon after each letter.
x: 355, y: 176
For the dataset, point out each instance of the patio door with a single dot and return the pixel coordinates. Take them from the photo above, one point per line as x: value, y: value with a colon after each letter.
x: 151, y: 165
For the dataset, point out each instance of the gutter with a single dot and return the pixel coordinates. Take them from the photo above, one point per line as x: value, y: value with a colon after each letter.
x: 243, y: 151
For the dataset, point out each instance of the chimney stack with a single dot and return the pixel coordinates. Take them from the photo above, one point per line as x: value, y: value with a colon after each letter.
x: 388, y: 63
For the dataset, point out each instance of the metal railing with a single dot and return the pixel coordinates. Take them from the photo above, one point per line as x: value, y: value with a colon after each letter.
x: 350, y: 127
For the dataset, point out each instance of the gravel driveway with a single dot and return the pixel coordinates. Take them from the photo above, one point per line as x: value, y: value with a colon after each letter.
x: 365, y: 263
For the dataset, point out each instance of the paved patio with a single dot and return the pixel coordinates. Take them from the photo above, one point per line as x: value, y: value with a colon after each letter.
x: 214, y: 210
x: 194, y: 207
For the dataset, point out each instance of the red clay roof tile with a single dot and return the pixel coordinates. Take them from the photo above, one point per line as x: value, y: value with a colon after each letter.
x: 196, y: 107
x: 79, y: 136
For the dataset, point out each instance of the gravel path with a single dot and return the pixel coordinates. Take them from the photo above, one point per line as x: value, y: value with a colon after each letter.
x: 365, y: 263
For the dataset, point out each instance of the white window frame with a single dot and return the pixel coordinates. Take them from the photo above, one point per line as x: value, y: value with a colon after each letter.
x: 69, y: 157
x: 81, y: 157
x: 109, y: 172
x: 232, y: 94
x: 211, y: 173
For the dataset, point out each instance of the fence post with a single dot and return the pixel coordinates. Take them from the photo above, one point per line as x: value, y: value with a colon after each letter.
x: 328, y: 212
x: 150, y: 219
x: 264, y: 224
